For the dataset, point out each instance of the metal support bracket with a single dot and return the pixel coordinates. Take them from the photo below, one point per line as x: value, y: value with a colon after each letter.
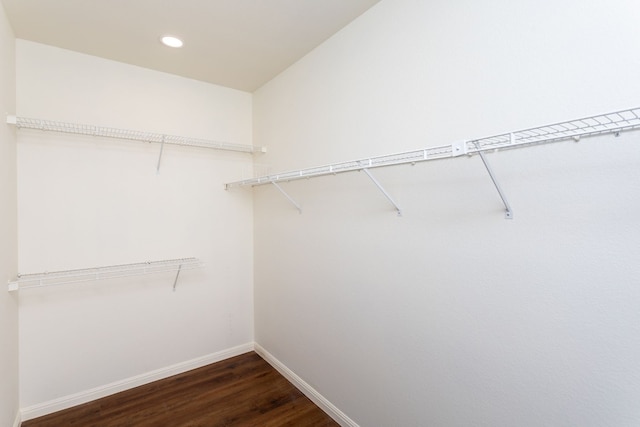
x: 287, y: 196
x: 160, y: 156
x: 175, y: 282
x: 381, y: 188
x: 508, y: 214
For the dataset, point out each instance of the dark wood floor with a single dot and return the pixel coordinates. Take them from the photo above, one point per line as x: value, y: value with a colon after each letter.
x: 241, y: 391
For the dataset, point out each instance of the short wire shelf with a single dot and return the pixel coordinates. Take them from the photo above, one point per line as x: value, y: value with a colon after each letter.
x: 126, y: 134
x: 54, y: 278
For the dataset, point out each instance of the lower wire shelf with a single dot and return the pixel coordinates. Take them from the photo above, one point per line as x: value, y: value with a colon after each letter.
x: 54, y: 278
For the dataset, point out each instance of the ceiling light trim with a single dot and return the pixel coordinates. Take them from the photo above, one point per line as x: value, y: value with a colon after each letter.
x: 172, y: 41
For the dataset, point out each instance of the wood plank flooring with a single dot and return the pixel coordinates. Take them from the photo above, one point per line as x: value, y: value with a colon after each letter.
x: 241, y: 391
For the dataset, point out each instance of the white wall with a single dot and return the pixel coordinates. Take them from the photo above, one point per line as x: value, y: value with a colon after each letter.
x: 86, y: 202
x: 8, y: 230
x: 452, y: 315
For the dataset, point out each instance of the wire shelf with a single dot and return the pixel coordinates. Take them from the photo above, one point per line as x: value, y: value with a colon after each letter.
x: 608, y: 123
x: 125, y: 134
x: 53, y: 278
x: 615, y: 122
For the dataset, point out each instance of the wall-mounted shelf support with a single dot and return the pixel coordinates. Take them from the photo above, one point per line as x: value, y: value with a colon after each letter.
x: 37, y: 280
x: 285, y: 194
x: 508, y: 213
x: 160, y: 155
x: 602, y: 124
x: 126, y: 134
x: 175, y: 281
x: 381, y: 188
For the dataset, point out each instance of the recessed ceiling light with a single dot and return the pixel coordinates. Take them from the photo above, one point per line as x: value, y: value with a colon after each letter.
x: 171, y: 41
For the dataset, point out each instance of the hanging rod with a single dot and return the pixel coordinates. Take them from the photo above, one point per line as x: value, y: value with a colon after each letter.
x: 608, y: 123
x: 131, y: 135
x: 54, y: 278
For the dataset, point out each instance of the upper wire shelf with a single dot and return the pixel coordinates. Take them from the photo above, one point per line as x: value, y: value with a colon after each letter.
x: 53, y: 278
x: 125, y: 134
x: 613, y: 122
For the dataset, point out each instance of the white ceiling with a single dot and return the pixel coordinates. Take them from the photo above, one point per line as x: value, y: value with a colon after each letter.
x: 240, y: 44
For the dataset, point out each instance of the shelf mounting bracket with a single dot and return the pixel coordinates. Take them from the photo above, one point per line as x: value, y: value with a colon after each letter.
x: 508, y: 213
x: 284, y: 193
x: 381, y: 188
x: 175, y: 282
x: 160, y: 156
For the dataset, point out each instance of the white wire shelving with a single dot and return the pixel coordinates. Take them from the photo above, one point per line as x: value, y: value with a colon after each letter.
x: 126, y: 134
x: 55, y: 278
x: 608, y: 123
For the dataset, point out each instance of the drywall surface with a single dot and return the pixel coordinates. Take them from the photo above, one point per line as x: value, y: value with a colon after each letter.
x: 8, y: 231
x: 86, y: 202
x: 452, y: 315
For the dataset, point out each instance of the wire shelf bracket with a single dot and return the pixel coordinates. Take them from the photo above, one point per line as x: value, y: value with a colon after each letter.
x: 55, y: 278
x: 160, y: 155
x: 285, y: 194
x: 129, y: 135
x: 602, y: 124
x: 508, y: 213
x: 381, y: 188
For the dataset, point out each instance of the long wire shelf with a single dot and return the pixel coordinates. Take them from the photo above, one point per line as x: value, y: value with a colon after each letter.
x: 126, y: 134
x: 54, y: 278
x: 609, y: 123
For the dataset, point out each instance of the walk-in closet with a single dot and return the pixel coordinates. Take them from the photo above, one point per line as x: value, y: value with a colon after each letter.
x: 366, y: 213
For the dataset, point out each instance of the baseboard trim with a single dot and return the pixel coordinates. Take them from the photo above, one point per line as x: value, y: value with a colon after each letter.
x: 18, y: 420
x: 335, y: 413
x: 66, y: 402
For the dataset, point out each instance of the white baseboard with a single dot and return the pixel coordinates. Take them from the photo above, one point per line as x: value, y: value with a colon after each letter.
x: 18, y: 420
x: 335, y: 413
x: 118, y: 386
